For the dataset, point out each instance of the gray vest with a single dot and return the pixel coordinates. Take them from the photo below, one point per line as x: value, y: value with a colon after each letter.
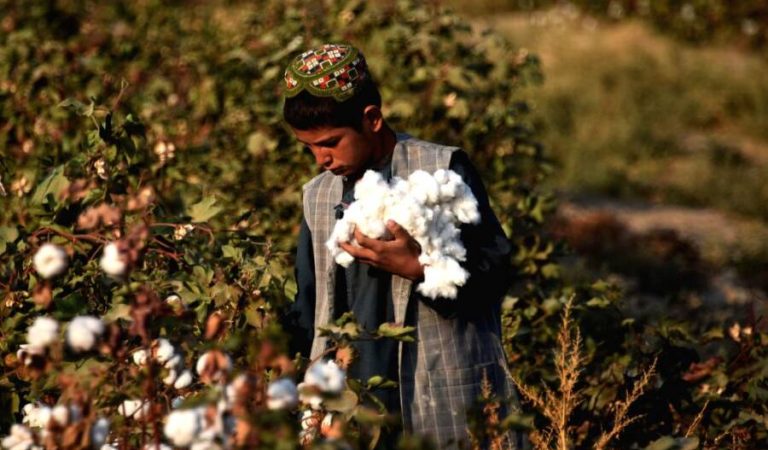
x: 441, y: 372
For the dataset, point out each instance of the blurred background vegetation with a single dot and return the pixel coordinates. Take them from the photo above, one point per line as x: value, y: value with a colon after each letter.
x: 655, y: 115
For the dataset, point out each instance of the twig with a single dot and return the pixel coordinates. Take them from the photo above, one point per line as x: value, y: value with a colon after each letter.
x: 697, y: 420
x: 621, y: 420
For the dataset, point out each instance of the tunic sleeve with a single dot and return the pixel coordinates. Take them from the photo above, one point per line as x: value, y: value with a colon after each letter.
x: 299, y: 322
x: 488, y: 254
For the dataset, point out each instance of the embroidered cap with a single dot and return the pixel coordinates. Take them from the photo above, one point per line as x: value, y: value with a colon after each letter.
x: 333, y: 70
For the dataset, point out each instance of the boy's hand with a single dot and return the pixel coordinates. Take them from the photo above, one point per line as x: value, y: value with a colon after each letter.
x: 399, y: 256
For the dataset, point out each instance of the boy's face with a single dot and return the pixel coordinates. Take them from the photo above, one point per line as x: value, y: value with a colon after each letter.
x: 342, y: 150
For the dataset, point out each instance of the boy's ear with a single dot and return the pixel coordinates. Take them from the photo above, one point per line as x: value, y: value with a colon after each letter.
x: 373, y: 118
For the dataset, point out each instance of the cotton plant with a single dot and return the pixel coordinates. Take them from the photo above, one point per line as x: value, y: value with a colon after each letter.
x: 431, y: 207
x: 166, y: 355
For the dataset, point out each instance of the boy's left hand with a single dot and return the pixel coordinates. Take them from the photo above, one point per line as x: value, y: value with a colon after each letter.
x: 399, y: 256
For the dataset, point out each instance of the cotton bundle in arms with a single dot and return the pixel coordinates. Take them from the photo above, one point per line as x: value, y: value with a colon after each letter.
x: 431, y: 207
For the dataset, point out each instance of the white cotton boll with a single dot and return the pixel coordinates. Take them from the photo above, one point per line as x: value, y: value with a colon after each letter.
x: 182, y: 426
x: 327, y: 376
x: 176, y: 362
x: 213, y: 365
x: 442, y: 278
x: 465, y: 209
x: 205, y: 445
x: 164, y: 350
x: 50, y: 260
x: 344, y: 259
x: 43, y: 332
x: 136, y: 409
x: 60, y: 415
x: 140, y: 357
x: 423, y: 187
x: 100, y: 432
x: 36, y: 416
x: 157, y: 447
x: 170, y: 378
x: 429, y: 207
x: 83, y: 332
x: 184, y: 380
x: 19, y: 439
x: 282, y: 394
x: 108, y: 447
x: 370, y: 185
x: 112, y: 262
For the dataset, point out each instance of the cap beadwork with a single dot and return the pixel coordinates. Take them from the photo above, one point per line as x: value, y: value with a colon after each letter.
x: 333, y: 70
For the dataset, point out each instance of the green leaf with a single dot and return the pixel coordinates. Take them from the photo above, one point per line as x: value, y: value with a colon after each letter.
x: 118, y: 311
x: 235, y: 253
x: 204, y: 210
x: 396, y: 331
x: 344, y: 403
x: 8, y: 235
x: 260, y: 143
x: 53, y: 184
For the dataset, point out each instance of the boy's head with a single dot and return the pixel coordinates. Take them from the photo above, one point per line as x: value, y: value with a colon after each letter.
x: 334, y: 108
x: 329, y: 86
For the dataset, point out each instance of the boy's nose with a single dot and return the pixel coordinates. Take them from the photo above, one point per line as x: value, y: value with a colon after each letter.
x: 323, y: 159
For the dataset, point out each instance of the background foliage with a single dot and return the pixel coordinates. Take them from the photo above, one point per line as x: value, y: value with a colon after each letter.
x: 205, y: 77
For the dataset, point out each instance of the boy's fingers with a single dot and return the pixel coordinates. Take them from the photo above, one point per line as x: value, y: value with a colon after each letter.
x: 366, y: 242
x: 397, y: 230
x: 360, y: 253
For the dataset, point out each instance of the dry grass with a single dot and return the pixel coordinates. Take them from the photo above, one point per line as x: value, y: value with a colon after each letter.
x: 558, y: 405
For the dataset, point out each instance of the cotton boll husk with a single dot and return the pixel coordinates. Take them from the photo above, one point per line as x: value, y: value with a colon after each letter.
x: 182, y: 426
x: 309, y: 398
x: 43, y: 332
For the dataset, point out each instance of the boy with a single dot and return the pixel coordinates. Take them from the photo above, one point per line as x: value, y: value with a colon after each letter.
x: 334, y: 108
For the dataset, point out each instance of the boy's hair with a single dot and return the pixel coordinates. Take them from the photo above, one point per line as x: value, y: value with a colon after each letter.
x: 305, y: 111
